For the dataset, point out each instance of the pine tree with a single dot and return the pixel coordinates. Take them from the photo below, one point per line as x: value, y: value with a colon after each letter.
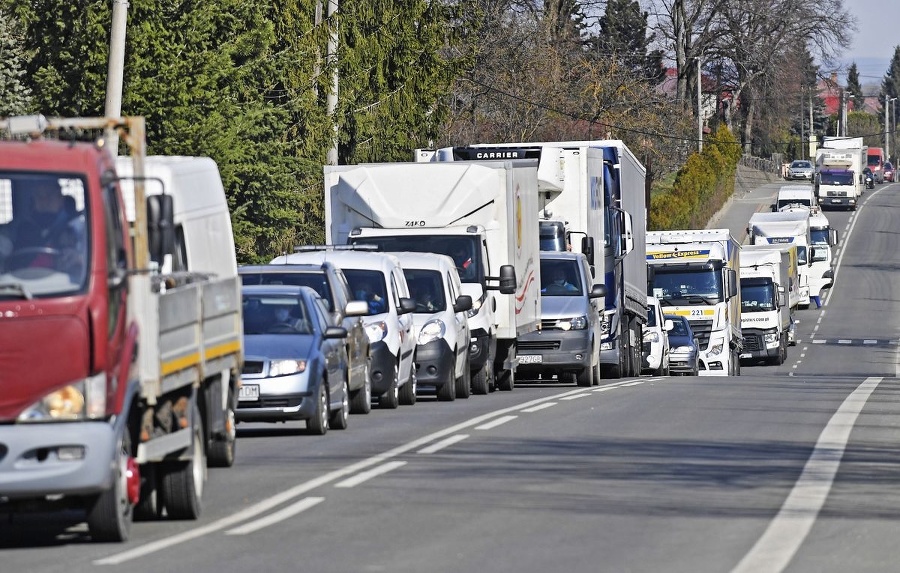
x: 623, y: 35
x: 853, y: 86
x: 15, y: 96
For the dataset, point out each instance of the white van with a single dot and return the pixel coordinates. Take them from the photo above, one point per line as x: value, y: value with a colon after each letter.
x: 656, y: 339
x: 793, y: 196
x: 378, y: 279
x: 440, y: 325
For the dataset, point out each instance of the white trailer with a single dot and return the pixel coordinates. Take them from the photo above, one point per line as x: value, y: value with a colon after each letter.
x: 694, y: 273
x: 768, y: 283
x: 786, y: 228
x: 486, y: 210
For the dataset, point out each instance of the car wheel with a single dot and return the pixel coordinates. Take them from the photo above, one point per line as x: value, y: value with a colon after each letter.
x: 481, y: 381
x: 585, y: 377
x: 464, y: 383
x: 318, y: 423
x: 361, y: 400
x: 339, y: 418
x: 408, y: 390
x: 446, y: 392
x: 391, y: 399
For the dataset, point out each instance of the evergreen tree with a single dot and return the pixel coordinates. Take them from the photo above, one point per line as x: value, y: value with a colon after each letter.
x: 853, y: 86
x: 623, y: 35
x: 15, y: 96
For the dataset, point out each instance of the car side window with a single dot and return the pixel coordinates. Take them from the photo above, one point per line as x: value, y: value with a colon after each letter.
x: 395, y: 291
x: 321, y: 313
x: 341, y: 290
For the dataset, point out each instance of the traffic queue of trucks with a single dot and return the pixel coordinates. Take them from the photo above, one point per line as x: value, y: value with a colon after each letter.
x: 550, y: 241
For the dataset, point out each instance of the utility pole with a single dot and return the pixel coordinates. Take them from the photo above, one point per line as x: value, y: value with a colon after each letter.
x: 699, y: 104
x: 332, y: 97
x: 116, y: 70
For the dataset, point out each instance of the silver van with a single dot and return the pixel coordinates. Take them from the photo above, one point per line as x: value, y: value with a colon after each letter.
x: 567, y: 345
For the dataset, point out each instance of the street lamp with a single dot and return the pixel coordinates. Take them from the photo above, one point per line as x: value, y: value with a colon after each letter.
x: 890, y: 133
x: 699, y: 103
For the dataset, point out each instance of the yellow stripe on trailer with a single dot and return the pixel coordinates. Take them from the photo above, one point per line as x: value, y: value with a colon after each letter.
x: 186, y: 361
x: 223, y: 349
x: 704, y: 312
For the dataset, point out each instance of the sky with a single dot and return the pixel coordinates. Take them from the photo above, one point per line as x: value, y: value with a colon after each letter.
x: 872, y: 45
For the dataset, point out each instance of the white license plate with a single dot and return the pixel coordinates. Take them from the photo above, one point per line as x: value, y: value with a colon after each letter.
x: 530, y: 359
x: 746, y: 356
x: 249, y: 393
x: 835, y: 200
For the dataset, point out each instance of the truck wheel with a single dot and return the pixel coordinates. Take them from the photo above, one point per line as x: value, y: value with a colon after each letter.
x: 506, y: 380
x: 585, y: 377
x: 339, y: 418
x: 361, y: 400
x: 391, y: 399
x: 446, y: 392
x: 464, y: 383
x: 221, y: 448
x: 481, y: 381
x: 149, y: 507
x: 408, y: 391
x: 317, y: 425
x: 182, y: 482
x: 110, y: 515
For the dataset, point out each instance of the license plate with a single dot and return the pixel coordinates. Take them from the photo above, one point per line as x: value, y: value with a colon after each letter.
x: 249, y: 393
x: 835, y: 200
x: 530, y: 359
x: 746, y: 356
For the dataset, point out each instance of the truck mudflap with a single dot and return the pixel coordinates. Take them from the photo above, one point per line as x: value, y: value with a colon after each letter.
x: 56, y: 458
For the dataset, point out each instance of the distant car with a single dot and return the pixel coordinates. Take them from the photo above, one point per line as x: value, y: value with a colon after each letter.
x: 801, y: 169
x: 684, y: 349
x: 295, y: 362
x: 888, y: 171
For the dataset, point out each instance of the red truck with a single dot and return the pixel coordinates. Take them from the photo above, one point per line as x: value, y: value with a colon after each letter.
x: 118, y: 377
x: 875, y: 162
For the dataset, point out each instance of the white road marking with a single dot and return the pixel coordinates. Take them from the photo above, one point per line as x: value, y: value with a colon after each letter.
x: 605, y: 388
x: 539, y: 407
x: 367, y: 475
x: 869, y: 341
x: 577, y: 396
x: 438, y: 446
x: 633, y: 383
x: 276, y: 517
x: 778, y: 545
x: 497, y: 422
x: 819, y: 341
x: 844, y: 341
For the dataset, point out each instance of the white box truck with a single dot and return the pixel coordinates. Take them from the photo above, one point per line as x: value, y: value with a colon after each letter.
x: 838, y: 181
x: 695, y: 273
x: 592, y: 196
x: 483, y: 215
x: 823, y: 240
x: 786, y: 228
x: 768, y: 281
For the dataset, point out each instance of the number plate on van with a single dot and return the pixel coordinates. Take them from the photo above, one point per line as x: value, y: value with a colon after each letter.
x: 530, y: 359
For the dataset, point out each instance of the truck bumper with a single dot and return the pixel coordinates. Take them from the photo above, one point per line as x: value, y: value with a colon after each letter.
x: 382, y: 367
x: 756, y: 347
x: 554, y: 350
x: 837, y: 202
x: 37, y: 460
x: 434, y: 363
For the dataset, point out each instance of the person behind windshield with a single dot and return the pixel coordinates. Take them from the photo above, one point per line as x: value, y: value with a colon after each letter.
x: 364, y: 291
x: 558, y: 282
x: 463, y: 262
x: 284, y: 317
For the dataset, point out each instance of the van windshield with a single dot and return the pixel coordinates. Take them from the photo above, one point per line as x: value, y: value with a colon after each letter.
x: 561, y: 278
x: 463, y: 249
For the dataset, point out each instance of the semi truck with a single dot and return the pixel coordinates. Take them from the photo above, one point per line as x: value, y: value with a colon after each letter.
x: 137, y: 396
x: 695, y: 273
x: 591, y: 195
x: 789, y: 227
x: 768, y: 289
x: 482, y: 214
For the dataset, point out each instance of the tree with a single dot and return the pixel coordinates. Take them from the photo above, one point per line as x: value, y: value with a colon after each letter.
x: 890, y: 87
x: 623, y: 36
x: 854, y: 88
x: 15, y: 96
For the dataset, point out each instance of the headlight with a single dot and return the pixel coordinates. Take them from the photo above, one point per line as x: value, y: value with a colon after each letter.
x: 376, y: 331
x: 771, y: 337
x: 476, y: 306
x: 286, y: 367
x: 432, y: 330
x: 683, y: 349
x: 717, y: 347
x: 577, y: 323
x: 85, y: 399
x: 651, y: 336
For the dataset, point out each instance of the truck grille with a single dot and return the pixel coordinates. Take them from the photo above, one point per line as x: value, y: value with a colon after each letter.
x: 752, y: 342
x: 702, y: 330
x: 526, y: 345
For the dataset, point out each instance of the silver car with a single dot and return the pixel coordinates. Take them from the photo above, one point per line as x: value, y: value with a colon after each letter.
x: 684, y: 349
x: 801, y: 169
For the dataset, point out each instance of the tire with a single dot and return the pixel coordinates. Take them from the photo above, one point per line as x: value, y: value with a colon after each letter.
x: 361, y: 400
x: 391, y: 399
x: 585, y: 378
x: 111, y: 513
x: 464, y: 383
x: 408, y: 391
x: 339, y: 418
x: 317, y: 425
x: 182, y: 482
x: 481, y: 383
x: 221, y: 449
x: 506, y: 380
x: 446, y: 392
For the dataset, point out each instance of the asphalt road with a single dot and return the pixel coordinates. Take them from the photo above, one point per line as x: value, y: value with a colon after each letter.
x: 785, y: 468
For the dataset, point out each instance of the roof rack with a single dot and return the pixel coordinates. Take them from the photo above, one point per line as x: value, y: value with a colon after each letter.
x: 315, y: 248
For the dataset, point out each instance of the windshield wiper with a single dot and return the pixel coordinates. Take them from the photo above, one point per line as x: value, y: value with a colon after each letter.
x: 15, y: 288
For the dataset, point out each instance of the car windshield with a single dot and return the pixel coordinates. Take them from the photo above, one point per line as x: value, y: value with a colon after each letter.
x: 427, y: 289
x: 560, y: 278
x: 275, y: 314
x: 799, y: 164
x: 464, y: 250
x: 315, y: 280
x: 679, y: 328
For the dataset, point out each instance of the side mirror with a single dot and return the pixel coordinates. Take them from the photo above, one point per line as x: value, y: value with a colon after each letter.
x: 597, y: 291
x: 507, y: 279
x: 668, y: 324
x: 407, y: 305
x: 335, y: 332
x: 160, y: 226
x: 356, y: 308
x: 587, y: 248
x: 463, y: 303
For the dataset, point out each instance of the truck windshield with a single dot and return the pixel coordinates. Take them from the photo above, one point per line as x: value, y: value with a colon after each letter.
x: 757, y: 295
x: 687, y: 286
x: 836, y: 178
x: 44, y: 247
x: 463, y: 249
x: 819, y: 236
x: 552, y: 236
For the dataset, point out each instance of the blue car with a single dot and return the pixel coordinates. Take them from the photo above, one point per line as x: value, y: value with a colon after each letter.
x: 295, y: 361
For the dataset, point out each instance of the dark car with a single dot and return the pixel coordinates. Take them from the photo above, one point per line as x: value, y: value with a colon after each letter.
x: 331, y: 284
x: 888, y: 171
x: 684, y: 349
x: 295, y: 362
